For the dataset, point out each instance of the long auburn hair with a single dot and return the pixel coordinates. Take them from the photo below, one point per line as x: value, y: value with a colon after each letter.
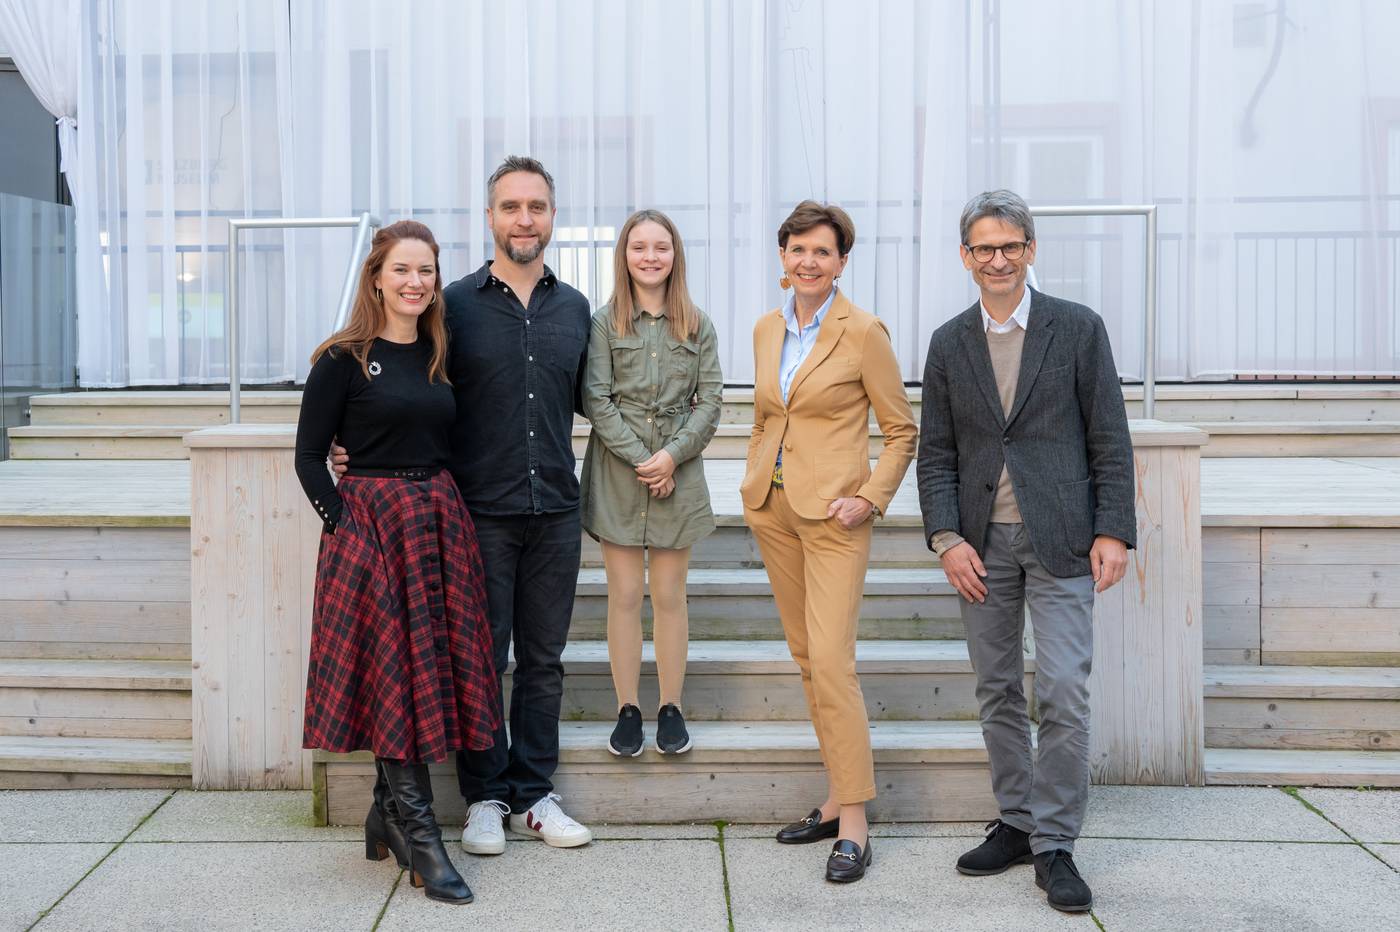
x: 368, y: 316
x: 682, y: 312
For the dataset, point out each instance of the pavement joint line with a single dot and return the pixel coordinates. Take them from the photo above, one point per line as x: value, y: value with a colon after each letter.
x: 102, y: 860
x: 1293, y: 791
x: 724, y: 871
x: 387, y: 900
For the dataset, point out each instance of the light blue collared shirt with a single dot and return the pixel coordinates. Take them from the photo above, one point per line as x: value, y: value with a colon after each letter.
x: 798, y: 343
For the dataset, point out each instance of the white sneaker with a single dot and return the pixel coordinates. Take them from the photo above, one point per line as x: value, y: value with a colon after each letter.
x: 483, y: 833
x: 546, y: 820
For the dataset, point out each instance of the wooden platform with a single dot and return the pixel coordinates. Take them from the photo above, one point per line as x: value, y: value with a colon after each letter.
x: 926, y: 771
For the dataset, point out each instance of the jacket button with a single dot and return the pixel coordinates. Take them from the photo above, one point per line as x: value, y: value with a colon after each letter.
x: 990, y: 487
x: 1005, y: 440
x: 787, y: 447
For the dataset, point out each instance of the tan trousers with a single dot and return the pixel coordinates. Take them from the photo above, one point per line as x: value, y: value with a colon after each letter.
x: 817, y: 571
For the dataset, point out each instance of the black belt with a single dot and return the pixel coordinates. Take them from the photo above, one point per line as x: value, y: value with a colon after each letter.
x: 418, y: 473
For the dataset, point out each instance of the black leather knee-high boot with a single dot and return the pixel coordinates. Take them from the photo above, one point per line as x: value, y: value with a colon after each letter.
x: 428, y: 864
x: 383, y: 827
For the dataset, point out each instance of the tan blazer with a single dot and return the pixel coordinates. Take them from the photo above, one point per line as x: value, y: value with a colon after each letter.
x: 823, y: 428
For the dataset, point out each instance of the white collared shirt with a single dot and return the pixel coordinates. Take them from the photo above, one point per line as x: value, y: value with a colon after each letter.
x: 1019, y: 318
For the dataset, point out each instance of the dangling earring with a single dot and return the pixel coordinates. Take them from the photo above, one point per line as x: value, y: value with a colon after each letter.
x: 432, y: 299
x: 785, y: 283
x: 379, y: 295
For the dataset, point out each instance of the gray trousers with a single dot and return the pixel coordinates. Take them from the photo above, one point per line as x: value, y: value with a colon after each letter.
x: 1042, y: 792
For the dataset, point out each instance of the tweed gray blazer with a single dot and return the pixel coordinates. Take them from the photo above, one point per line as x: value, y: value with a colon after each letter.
x: 1065, y: 444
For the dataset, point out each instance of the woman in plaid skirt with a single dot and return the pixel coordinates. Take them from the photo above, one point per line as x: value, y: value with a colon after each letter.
x: 400, y: 649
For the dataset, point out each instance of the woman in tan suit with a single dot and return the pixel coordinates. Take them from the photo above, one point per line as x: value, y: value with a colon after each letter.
x: 810, y: 497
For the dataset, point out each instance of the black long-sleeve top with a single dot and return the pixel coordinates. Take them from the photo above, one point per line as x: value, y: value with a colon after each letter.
x: 395, y: 419
x: 518, y: 375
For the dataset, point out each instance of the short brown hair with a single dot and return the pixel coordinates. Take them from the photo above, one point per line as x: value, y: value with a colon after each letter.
x: 518, y: 163
x: 810, y: 214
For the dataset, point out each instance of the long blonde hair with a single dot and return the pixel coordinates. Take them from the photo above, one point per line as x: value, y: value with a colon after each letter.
x: 683, y: 314
x: 368, y: 317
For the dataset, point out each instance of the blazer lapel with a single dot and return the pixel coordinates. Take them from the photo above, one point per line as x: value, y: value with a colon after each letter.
x: 833, y: 325
x: 975, y: 342
x: 770, y: 350
x: 1038, y: 337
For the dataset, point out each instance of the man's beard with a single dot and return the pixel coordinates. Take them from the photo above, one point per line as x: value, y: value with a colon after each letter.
x: 521, y: 256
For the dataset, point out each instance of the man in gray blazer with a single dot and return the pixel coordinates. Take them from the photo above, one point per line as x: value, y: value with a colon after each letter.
x: 1027, y: 487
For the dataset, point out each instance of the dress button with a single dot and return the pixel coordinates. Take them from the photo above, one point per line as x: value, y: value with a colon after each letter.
x: 644, y: 514
x: 653, y: 355
x: 648, y: 420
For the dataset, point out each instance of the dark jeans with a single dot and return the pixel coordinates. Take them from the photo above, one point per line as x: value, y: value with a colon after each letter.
x: 531, y: 564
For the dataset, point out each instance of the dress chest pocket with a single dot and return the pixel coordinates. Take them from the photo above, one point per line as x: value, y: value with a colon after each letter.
x: 627, y: 356
x: 683, y: 360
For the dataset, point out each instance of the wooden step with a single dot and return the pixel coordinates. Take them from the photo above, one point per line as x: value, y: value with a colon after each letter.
x: 1241, y: 767
x: 1322, y: 708
x: 758, y: 681
x: 737, y: 771
x: 95, y: 698
x: 100, y: 442
x: 1300, y: 438
x: 736, y: 603
x: 163, y: 408
x: 93, y: 763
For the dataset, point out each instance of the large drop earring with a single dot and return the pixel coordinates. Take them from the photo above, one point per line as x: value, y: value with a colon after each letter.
x: 785, y: 283
x: 379, y: 295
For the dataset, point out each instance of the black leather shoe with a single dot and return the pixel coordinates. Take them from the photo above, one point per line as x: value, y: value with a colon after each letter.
x: 1004, y: 846
x: 808, y: 829
x: 429, y: 866
x: 1065, y: 890
x: 383, y: 827
x: 847, y: 863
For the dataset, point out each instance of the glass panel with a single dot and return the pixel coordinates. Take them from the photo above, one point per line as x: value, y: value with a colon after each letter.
x: 38, y: 306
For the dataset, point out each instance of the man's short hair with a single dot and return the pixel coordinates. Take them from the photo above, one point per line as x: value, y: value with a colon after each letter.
x: 1006, y: 206
x: 518, y: 163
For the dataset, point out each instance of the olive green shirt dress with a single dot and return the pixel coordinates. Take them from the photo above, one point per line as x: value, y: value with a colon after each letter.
x: 644, y: 393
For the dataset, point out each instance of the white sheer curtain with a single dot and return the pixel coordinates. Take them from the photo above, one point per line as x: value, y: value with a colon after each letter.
x: 185, y: 123
x: 1267, y: 132
x: 43, y: 39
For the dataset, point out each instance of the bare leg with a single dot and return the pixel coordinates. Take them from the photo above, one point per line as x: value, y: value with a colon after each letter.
x: 670, y: 632
x: 625, y: 571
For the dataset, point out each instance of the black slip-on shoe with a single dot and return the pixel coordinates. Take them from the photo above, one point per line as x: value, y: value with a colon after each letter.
x: 1065, y: 890
x: 627, y: 738
x: 1004, y: 846
x: 847, y: 862
x: 808, y: 829
x: 671, y: 734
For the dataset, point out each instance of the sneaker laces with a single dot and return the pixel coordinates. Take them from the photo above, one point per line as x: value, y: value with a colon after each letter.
x: 547, y: 811
x: 479, y: 809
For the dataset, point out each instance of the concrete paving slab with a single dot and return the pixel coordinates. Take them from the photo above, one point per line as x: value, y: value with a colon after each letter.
x: 202, y: 886
x: 38, y: 876
x: 911, y: 886
x: 1225, y: 813
x: 1389, y: 853
x: 599, y: 886
x: 254, y: 815
x: 879, y: 829
x: 74, y: 815
x: 697, y: 831
x: 1161, y: 885
x: 1368, y: 815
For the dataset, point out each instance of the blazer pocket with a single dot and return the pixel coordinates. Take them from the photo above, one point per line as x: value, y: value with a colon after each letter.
x: 1053, y: 376
x: 840, y: 369
x: 1077, y: 515
x: 838, y: 475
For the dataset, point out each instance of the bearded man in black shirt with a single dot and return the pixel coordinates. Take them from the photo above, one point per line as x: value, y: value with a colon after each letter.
x: 519, y: 341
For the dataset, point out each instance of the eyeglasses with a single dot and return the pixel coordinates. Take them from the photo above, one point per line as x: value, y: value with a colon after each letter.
x: 1011, y: 251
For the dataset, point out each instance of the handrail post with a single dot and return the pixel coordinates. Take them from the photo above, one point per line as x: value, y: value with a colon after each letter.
x: 363, y: 224
x: 347, y: 293
x: 231, y: 324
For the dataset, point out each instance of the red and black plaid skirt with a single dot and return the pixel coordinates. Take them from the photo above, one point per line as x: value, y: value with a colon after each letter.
x: 401, y: 655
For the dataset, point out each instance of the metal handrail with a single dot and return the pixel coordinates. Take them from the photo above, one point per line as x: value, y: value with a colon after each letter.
x: 362, y: 224
x: 1149, y: 336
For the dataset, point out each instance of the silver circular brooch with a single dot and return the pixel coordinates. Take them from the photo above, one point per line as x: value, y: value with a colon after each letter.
x: 375, y: 368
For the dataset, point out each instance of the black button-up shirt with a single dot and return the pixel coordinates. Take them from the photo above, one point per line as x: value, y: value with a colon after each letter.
x: 518, y: 376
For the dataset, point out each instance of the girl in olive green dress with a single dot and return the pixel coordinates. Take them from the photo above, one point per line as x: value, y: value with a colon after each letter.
x: 652, y: 390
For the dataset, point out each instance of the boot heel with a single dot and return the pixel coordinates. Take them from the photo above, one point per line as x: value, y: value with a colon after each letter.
x: 414, y: 880
x: 375, y: 850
